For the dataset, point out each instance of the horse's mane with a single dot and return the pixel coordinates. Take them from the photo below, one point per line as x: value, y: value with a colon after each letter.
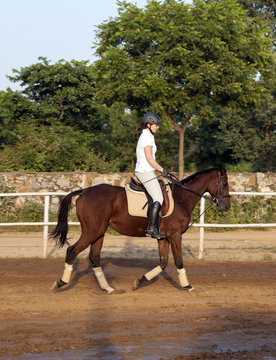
x: 191, y: 177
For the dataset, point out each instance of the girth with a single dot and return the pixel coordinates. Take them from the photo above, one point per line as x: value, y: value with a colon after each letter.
x: 138, y: 186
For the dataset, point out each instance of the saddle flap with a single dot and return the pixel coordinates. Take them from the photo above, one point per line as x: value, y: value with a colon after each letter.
x: 166, y: 200
x: 138, y: 186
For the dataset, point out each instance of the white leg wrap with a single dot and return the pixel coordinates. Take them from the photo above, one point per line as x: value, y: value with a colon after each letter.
x: 67, y: 273
x: 152, y: 273
x: 98, y: 271
x: 182, y: 277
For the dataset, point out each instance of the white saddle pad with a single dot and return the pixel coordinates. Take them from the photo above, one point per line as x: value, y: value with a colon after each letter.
x: 136, y: 201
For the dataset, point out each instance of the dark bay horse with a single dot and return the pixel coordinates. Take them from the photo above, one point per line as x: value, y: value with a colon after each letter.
x: 103, y: 205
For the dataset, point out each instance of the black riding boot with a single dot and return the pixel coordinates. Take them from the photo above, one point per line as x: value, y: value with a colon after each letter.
x: 153, y: 225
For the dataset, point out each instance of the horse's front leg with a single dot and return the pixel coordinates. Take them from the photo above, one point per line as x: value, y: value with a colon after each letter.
x: 94, y: 257
x: 163, y: 247
x: 176, y: 244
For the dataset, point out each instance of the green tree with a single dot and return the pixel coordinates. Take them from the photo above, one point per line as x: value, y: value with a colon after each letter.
x: 52, y: 148
x: 63, y: 92
x: 251, y: 135
x: 54, y: 123
x: 244, y: 137
x: 119, y: 141
x: 182, y: 60
x: 264, y: 9
x: 14, y: 109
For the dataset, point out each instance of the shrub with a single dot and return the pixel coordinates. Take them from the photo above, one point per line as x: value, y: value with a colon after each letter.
x: 252, y: 210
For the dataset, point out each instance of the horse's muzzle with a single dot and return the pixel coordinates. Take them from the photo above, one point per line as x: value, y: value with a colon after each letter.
x: 222, y: 204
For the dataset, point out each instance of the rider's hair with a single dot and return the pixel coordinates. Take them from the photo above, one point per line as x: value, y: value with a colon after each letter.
x: 143, y: 126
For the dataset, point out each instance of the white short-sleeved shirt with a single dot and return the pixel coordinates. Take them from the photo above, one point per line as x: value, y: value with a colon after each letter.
x: 145, y: 139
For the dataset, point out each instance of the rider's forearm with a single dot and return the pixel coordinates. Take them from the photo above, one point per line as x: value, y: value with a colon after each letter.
x: 155, y: 164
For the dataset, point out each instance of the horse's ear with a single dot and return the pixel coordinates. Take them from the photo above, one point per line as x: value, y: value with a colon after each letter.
x: 222, y: 169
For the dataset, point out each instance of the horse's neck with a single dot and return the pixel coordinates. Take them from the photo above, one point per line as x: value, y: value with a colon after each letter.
x: 200, y: 186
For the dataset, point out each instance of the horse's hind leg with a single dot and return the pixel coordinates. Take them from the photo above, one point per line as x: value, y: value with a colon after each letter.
x: 163, y: 247
x: 72, y: 252
x: 94, y: 257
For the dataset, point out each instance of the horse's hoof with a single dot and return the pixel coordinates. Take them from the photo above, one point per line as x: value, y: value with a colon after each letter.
x: 189, y: 288
x: 110, y: 290
x: 54, y: 286
x: 136, y: 284
x: 140, y: 283
x: 57, y: 285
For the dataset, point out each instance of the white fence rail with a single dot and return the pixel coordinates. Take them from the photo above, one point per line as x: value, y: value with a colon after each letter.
x: 201, y: 223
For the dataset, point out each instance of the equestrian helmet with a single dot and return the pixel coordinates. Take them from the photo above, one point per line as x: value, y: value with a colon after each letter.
x: 151, y: 118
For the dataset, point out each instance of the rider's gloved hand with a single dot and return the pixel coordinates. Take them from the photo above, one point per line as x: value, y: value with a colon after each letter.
x: 164, y: 173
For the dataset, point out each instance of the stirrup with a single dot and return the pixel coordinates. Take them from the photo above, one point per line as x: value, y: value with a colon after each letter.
x: 159, y: 236
x: 155, y: 234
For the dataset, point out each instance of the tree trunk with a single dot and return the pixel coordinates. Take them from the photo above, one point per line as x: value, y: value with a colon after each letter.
x: 181, y: 131
x: 181, y: 153
x: 268, y: 154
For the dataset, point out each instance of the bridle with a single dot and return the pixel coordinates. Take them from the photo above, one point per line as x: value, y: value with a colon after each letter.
x: 218, y: 188
x: 219, y: 185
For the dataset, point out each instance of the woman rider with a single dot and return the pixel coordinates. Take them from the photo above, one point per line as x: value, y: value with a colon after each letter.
x: 145, y: 171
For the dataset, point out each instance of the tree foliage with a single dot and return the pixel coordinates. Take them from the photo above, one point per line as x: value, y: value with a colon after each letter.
x: 181, y: 60
x: 54, y: 124
x: 207, y: 68
x: 264, y: 9
x: 63, y: 91
x: 52, y: 148
x: 245, y: 137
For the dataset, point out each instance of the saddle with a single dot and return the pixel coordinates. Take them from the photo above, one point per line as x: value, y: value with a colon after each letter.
x: 138, y: 186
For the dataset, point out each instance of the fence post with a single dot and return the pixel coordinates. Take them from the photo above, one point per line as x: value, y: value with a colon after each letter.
x: 46, y: 220
x: 201, y: 229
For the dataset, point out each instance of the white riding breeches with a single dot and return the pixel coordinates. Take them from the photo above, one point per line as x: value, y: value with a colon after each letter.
x: 150, y: 182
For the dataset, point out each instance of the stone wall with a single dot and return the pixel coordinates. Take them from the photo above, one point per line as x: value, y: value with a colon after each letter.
x: 67, y: 182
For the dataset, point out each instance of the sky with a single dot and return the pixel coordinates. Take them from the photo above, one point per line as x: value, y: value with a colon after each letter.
x: 55, y: 29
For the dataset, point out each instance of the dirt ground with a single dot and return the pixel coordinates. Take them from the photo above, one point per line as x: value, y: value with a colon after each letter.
x: 231, y: 315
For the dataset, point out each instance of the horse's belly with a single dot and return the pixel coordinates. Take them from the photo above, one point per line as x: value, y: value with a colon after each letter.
x: 129, y: 225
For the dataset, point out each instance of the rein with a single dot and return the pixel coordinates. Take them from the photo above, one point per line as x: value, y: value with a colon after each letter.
x: 214, y: 200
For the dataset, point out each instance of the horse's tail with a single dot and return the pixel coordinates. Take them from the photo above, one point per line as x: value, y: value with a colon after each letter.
x: 61, y: 230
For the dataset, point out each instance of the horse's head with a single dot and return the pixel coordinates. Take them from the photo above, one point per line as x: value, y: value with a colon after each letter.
x: 219, y: 189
